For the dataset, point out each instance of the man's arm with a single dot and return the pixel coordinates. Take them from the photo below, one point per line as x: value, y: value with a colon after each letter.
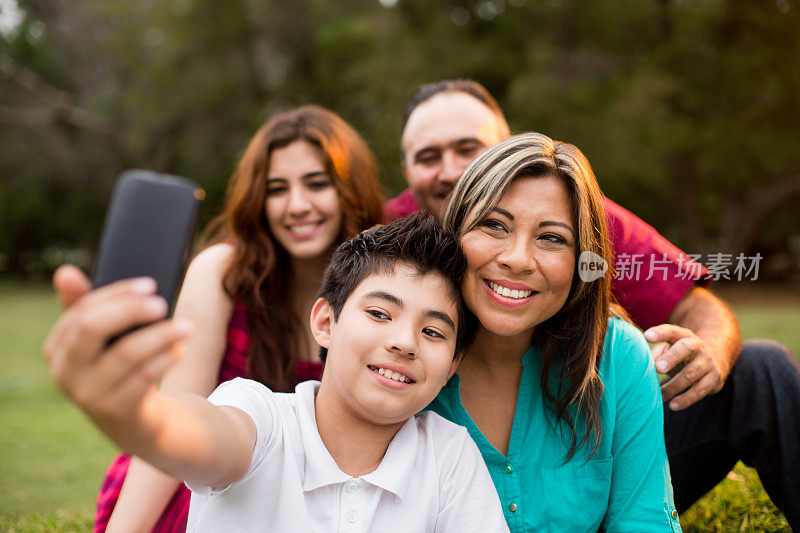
x: 701, y: 343
x: 113, y: 382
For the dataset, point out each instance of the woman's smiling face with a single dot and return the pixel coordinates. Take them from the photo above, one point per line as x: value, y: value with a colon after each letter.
x: 303, y: 209
x: 521, y: 257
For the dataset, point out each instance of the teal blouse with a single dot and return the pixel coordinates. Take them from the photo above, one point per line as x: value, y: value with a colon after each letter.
x: 625, y: 486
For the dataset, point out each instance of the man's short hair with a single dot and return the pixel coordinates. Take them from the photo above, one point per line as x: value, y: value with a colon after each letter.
x: 417, y: 241
x: 429, y: 90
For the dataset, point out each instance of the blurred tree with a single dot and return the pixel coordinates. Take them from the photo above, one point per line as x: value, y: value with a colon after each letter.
x: 737, y: 102
x: 687, y: 110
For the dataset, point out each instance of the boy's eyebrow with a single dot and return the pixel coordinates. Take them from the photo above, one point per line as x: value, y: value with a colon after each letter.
x: 383, y: 295
x: 444, y: 317
x: 433, y: 313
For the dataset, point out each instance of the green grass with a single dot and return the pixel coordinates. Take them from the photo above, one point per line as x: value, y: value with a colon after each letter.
x: 52, y: 459
x: 62, y: 520
x: 739, y: 503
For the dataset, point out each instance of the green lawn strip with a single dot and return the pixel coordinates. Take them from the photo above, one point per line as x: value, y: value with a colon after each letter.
x: 26, y: 314
x: 778, y: 323
x: 51, y: 458
x: 61, y: 520
x: 50, y: 455
x: 739, y: 503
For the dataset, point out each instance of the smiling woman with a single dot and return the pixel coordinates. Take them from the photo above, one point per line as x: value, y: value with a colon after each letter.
x: 305, y: 183
x: 559, y: 394
x: 304, y: 212
x: 518, y: 233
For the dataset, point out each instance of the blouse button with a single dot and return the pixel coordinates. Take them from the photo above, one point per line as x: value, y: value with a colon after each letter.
x: 512, y: 507
x: 351, y: 487
x: 508, y: 469
x: 351, y: 517
x: 674, y: 514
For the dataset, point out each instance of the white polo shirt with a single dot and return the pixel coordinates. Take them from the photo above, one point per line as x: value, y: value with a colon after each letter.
x: 432, y: 477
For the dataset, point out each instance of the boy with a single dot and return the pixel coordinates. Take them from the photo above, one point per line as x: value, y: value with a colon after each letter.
x: 348, y: 454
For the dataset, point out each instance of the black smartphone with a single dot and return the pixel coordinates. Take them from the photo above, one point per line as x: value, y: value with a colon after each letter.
x: 148, y: 230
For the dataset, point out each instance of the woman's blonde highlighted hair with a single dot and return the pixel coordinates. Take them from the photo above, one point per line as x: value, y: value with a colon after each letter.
x: 572, y: 340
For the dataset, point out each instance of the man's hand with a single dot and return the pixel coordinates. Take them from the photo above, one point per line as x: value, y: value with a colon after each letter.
x: 704, y: 339
x: 109, y: 381
x: 691, y: 363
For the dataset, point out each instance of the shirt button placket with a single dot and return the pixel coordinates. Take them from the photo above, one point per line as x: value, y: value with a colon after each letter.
x: 350, y: 504
x: 512, y: 484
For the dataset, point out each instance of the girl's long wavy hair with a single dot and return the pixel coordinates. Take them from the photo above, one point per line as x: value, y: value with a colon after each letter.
x: 260, y: 276
x: 571, y: 341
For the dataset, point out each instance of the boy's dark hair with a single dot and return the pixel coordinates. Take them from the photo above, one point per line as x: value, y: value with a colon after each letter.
x: 417, y: 241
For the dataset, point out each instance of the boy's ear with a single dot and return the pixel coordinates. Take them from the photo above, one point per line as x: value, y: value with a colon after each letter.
x: 321, y: 320
x: 454, y: 365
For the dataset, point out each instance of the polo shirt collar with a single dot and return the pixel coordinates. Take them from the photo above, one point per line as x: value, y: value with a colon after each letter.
x: 394, y: 472
x: 321, y: 469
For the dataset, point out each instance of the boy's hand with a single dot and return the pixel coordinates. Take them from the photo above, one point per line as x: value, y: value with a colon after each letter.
x: 110, y: 382
x: 70, y: 284
x: 112, y: 379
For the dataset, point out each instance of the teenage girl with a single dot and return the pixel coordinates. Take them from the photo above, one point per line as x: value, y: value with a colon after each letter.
x: 306, y: 182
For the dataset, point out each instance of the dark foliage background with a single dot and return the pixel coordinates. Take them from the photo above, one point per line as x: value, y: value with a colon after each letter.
x: 688, y: 111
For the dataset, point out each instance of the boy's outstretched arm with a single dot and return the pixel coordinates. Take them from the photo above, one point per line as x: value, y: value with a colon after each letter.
x: 185, y: 436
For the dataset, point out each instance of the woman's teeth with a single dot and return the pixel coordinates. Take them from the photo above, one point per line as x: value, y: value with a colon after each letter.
x: 395, y: 376
x: 305, y: 228
x: 509, y: 293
